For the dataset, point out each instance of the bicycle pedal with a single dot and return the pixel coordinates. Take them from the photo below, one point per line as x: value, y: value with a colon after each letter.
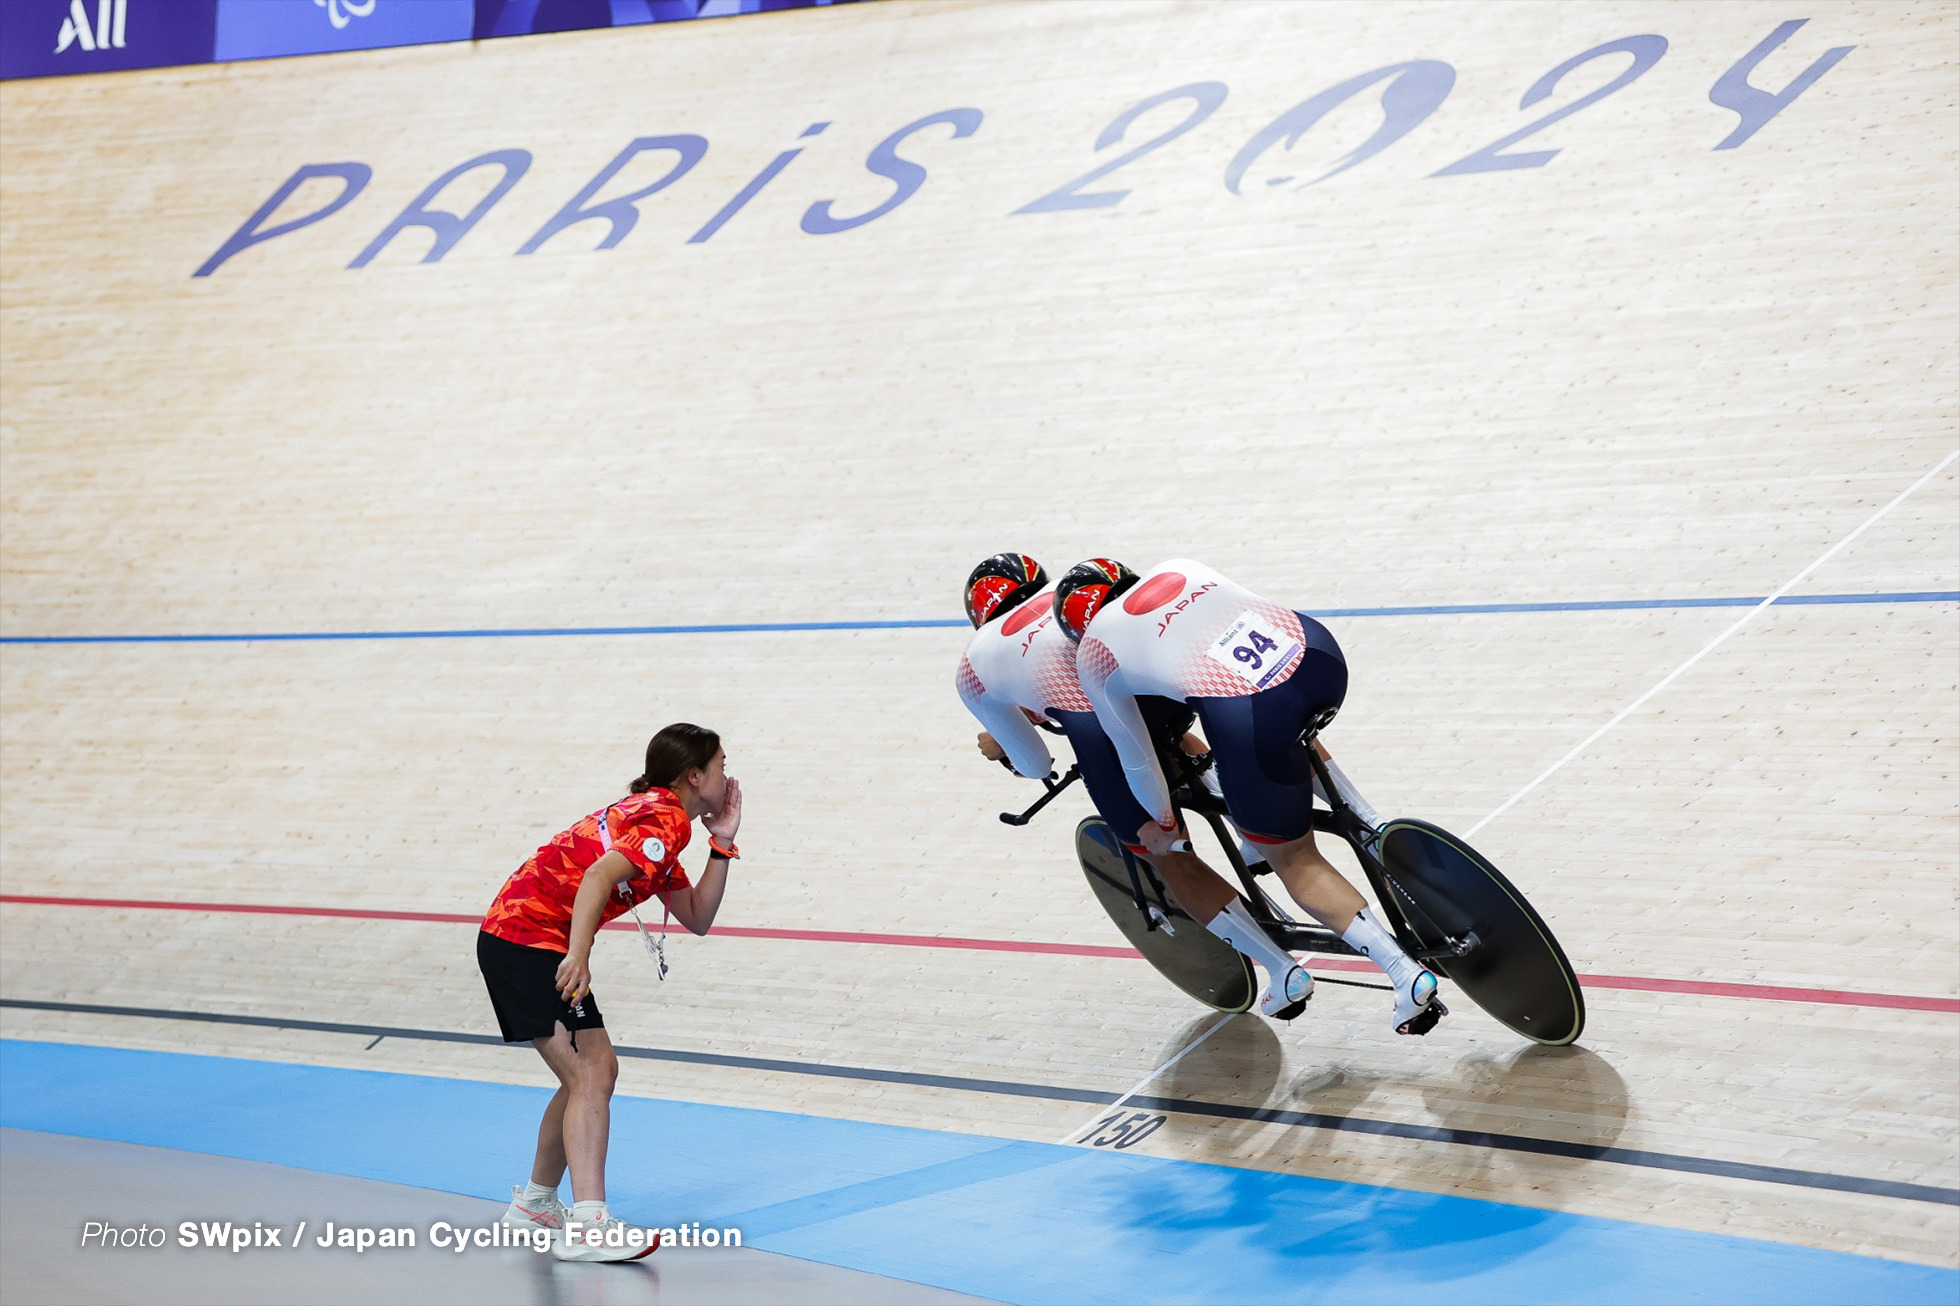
x: 1291, y: 1010
x: 1425, y: 1020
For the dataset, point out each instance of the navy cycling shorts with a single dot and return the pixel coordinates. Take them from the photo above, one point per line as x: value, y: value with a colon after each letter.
x: 1102, y: 767
x: 1255, y: 741
x: 1102, y: 774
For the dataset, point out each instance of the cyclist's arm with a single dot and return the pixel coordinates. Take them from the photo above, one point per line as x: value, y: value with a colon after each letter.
x: 1122, y: 721
x: 1015, y: 734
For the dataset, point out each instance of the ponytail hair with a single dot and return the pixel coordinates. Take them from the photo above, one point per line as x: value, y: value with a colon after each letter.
x: 674, y: 752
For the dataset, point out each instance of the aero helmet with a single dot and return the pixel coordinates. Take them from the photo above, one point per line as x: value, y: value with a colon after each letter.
x: 1002, y: 582
x: 1080, y: 594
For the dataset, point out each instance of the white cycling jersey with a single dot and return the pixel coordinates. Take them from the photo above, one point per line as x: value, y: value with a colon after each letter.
x: 1182, y: 631
x: 1017, y: 664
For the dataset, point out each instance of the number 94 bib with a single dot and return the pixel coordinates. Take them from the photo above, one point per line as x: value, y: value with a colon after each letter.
x: 1252, y: 650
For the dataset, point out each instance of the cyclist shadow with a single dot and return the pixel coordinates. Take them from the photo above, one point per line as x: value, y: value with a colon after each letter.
x: 1243, y: 1066
x: 1562, y: 1094
x: 1570, y: 1096
x: 1238, y: 1065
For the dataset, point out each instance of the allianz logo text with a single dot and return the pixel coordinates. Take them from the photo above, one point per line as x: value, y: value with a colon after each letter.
x: 111, y: 17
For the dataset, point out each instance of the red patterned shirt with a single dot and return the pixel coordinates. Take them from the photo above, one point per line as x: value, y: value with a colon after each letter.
x: 534, y: 908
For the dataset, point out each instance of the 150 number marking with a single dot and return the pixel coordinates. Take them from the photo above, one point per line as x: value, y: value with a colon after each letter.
x: 1120, y: 1133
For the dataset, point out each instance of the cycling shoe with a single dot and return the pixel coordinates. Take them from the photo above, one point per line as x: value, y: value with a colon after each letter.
x: 1416, y: 1007
x: 1288, y: 999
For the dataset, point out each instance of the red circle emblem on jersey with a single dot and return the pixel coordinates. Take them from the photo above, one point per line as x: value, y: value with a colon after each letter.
x: 1030, y: 611
x: 1153, y: 593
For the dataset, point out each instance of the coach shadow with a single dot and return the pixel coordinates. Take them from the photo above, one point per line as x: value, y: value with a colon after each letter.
x: 622, y: 1283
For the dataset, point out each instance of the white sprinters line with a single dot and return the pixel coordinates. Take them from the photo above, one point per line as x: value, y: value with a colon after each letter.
x: 1709, y: 647
x: 1137, y: 1087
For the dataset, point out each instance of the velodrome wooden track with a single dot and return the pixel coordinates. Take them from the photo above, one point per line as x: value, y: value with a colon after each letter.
x: 1649, y: 371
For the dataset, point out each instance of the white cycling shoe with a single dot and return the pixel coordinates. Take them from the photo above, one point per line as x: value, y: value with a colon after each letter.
x: 1288, y: 998
x: 1416, y: 1007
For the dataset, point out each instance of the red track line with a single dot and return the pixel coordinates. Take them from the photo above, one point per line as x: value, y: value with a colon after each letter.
x: 733, y: 931
x: 1704, y: 988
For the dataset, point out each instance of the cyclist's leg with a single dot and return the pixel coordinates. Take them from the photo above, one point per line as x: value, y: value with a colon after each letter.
x: 1281, y: 766
x: 1268, y: 785
x: 1202, y: 892
x: 1267, y: 778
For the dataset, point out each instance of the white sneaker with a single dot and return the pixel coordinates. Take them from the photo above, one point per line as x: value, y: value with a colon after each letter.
x: 1288, y: 999
x: 610, y: 1232
x: 1416, y: 1007
x: 548, y: 1214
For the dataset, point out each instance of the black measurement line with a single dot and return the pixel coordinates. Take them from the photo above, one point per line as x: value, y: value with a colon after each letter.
x: 1769, y: 1174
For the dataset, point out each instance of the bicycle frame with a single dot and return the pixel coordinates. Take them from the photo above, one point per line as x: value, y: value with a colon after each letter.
x: 1339, y: 819
x: 1190, y: 796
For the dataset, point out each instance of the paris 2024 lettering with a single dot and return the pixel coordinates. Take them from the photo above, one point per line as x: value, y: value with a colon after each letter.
x: 1406, y: 93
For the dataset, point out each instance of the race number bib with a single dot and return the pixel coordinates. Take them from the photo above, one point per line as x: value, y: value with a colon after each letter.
x: 1253, y: 651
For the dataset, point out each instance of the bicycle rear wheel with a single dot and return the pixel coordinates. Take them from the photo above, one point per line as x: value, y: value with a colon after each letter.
x: 1185, y: 952
x: 1517, y: 972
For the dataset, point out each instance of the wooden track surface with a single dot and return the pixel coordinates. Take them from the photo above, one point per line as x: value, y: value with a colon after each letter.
x: 1647, y: 370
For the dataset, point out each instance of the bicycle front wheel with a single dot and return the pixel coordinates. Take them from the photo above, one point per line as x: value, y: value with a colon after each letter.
x: 1444, y: 889
x: 1183, y: 951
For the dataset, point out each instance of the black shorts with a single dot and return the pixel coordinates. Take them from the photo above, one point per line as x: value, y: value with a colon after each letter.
x: 1102, y: 767
x: 523, y: 984
x: 1255, y: 740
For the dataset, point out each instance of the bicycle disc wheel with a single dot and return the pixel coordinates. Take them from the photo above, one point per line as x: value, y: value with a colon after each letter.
x: 1517, y: 972
x: 1186, y: 953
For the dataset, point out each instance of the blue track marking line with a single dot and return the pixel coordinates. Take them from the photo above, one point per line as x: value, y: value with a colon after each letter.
x: 777, y: 627
x: 1016, y: 1221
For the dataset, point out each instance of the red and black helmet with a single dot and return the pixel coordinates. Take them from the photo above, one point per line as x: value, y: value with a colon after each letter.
x: 1080, y: 594
x: 1001, y: 582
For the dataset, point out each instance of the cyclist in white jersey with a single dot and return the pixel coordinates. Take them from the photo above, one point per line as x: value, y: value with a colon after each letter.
x: 1258, y: 675
x: 1020, y: 669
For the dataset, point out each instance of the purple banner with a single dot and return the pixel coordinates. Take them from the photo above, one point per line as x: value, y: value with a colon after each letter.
x: 522, y: 17
x: 260, y: 29
x: 49, y: 38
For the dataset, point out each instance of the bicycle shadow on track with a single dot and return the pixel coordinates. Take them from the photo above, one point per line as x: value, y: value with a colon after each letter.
x: 1240, y: 1064
x: 1570, y: 1094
